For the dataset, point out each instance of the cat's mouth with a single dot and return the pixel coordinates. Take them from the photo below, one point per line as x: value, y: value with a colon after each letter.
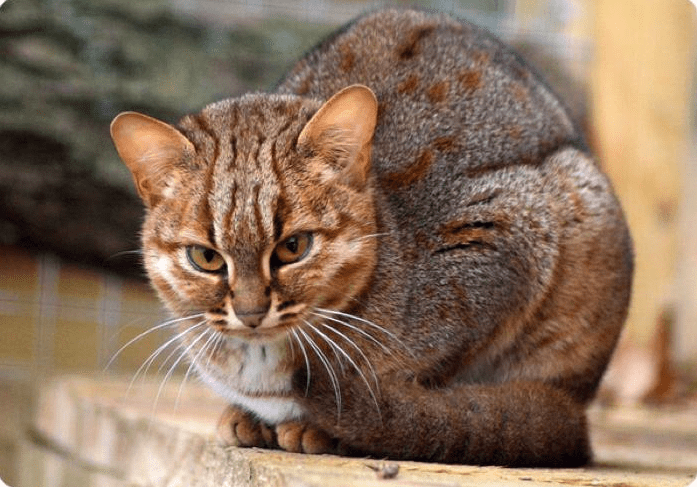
x: 258, y: 334
x: 257, y: 325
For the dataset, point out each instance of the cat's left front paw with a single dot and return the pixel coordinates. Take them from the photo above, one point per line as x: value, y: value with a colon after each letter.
x: 237, y: 427
x: 298, y: 437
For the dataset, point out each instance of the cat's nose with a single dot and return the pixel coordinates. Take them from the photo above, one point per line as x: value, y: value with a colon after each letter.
x: 251, y: 299
x: 251, y: 319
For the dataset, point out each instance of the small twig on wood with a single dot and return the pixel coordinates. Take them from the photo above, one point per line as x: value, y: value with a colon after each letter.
x: 384, y: 470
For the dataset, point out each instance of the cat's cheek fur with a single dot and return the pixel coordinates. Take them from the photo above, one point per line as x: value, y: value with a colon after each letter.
x: 166, y: 271
x: 163, y: 267
x: 322, y: 282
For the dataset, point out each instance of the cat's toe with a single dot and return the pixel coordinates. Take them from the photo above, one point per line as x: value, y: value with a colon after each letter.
x: 303, y: 438
x: 236, y: 427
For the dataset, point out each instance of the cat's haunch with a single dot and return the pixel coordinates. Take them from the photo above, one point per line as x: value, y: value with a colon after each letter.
x: 405, y: 251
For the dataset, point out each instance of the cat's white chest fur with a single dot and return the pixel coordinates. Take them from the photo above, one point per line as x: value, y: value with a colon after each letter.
x: 253, y: 377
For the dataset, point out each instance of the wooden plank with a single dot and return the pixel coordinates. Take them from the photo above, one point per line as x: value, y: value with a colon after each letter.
x: 88, y: 433
x: 640, y: 86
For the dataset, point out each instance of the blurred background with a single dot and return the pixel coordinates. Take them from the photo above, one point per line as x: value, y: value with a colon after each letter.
x: 72, y: 290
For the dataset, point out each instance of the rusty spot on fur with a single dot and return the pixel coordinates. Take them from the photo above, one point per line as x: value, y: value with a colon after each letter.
x: 461, y: 293
x: 519, y: 71
x: 348, y: 58
x: 305, y: 84
x: 423, y: 241
x: 480, y: 58
x: 577, y: 208
x: 519, y: 93
x: 410, y: 47
x: 413, y: 253
x: 409, y: 85
x: 413, y: 173
x: 446, y: 144
x: 515, y: 132
x: 437, y: 92
x: 430, y: 292
x: 470, y: 79
x: 298, y: 68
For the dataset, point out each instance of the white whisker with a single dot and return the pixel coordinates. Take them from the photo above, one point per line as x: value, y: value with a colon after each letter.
x: 146, y: 332
x: 192, y: 364
x: 307, y: 360
x: 174, y: 366
x: 371, y: 324
x: 356, y: 329
x: 171, y: 354
x: 336, y: 350
x: 327, y: 365
x: 148, y: 362
x: 372, y: 235
x: 333, y: 344
x: 358, y: 349
x: 292, y: 347
x: 126, y: 252
x: 216, y: 346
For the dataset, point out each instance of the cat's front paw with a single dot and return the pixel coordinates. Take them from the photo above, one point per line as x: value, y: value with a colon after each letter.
x: 299, y: 437
x: 237, y: 427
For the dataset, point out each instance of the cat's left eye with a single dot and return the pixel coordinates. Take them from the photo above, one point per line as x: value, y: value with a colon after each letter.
x: 205, y: 259
x: 293, y: 249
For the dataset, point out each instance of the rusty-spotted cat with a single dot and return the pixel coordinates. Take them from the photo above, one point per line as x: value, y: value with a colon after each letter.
x: 404, y: 251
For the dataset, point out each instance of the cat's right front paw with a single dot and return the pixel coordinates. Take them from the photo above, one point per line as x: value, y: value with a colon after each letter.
x: 299, y: 437
x: 237, y: 427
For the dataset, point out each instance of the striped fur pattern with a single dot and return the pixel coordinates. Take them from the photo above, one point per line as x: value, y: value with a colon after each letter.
x: 405, y: 251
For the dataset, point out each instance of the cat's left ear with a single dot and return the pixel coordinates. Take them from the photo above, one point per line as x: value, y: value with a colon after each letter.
x: 342, y: 130
x: 152, y: 150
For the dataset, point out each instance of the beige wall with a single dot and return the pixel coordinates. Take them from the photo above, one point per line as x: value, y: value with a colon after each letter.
x: 642, y: 85
x: 58, y: 317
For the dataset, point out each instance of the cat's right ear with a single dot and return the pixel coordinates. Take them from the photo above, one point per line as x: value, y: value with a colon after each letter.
x: 151, y: 149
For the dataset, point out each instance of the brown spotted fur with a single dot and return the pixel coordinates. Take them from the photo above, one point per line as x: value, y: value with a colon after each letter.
x: 475, y: 230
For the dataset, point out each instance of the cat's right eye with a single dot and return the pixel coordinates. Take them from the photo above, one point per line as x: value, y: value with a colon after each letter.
x: 204, y: 259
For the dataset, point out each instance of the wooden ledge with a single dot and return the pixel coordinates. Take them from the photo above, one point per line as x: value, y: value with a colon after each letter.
x: 88, y: 431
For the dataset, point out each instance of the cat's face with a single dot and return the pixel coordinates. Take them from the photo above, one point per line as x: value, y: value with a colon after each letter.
x: 257, y: 218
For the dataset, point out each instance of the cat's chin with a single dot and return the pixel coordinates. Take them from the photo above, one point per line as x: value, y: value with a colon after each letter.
x: 253, y: 375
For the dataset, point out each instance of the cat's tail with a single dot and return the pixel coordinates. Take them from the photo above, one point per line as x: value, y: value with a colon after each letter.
x: 526, y: 424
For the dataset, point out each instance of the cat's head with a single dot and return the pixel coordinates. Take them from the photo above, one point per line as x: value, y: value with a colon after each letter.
x: 260, y: 209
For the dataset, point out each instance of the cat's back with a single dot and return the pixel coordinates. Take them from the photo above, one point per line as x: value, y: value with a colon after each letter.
x: 447, y: 90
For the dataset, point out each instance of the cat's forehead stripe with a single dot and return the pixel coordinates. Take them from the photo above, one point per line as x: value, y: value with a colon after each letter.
x: 209, y: 147
x: 245, y: 187
x: 248, y: 164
